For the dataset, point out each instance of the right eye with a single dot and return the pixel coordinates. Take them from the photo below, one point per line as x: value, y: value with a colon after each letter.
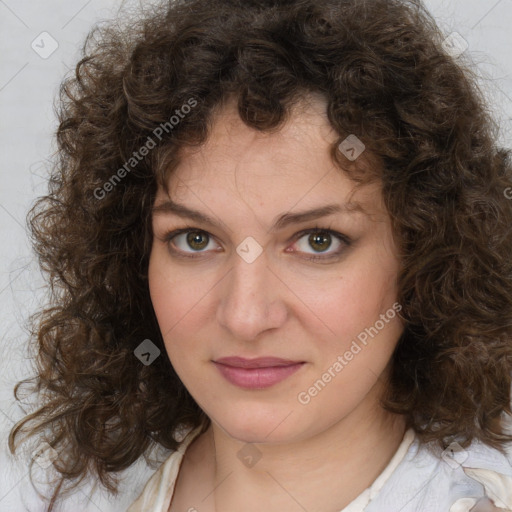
x: 180, y: 242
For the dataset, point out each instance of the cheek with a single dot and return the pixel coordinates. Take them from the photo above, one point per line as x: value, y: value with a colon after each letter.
x: 361, y: 312
x: 163, y: 294
x: 353, y: 299
x: 173, y: 293
x: 180, y: 302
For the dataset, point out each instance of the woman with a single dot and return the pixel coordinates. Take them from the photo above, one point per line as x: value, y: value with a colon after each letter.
x: 279, y: 237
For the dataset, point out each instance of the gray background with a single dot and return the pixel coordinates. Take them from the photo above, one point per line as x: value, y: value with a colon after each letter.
x: 28, y: 87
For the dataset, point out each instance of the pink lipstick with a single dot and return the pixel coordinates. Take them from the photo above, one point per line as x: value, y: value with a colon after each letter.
x: 259, y: 373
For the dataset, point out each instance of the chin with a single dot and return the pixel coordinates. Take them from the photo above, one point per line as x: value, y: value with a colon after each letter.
x: 257, y: 426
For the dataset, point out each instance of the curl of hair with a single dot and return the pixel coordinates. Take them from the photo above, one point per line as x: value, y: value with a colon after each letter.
x: 382, y: 70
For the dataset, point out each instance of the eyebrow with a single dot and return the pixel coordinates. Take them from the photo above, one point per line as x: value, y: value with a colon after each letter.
x: 170, y: 207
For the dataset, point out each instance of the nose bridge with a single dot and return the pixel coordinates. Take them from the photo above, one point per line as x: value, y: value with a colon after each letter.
x: 250, y: 303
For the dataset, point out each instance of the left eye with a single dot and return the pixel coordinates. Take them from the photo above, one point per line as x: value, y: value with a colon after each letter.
x: 319, y: 241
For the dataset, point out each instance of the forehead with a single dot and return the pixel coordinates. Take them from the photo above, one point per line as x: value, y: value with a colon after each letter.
x: 289, y: 165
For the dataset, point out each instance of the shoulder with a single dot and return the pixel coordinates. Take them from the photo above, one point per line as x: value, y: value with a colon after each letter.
x: 453, y: 480
x: 158, y: 491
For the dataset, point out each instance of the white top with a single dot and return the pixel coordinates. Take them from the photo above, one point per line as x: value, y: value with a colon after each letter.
x: 415, y: 480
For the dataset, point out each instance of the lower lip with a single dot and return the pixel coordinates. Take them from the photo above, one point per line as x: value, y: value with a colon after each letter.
x: 256, y: 378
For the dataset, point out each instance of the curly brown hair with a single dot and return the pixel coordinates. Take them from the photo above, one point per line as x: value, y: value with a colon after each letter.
x: 382, y: 69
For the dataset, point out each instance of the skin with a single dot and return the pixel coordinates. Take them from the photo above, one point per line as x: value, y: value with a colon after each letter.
x: 281, y: 305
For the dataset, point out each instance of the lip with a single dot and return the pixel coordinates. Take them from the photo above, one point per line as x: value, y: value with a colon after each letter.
x: 258, y: 373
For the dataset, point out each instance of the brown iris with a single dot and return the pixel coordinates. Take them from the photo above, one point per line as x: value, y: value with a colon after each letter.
x: 197, y: 240
x: 320, y: 242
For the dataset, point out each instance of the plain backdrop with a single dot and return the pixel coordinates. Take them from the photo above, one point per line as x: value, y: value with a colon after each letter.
x: 29, y: 80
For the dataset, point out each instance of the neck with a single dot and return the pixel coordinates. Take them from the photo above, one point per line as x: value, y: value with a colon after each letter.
x: 323, y: 471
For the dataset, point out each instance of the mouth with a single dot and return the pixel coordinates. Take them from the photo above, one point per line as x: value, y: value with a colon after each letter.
x: 257, y: 373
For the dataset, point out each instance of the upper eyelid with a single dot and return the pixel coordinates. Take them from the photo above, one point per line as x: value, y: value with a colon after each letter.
x: 300, y: 232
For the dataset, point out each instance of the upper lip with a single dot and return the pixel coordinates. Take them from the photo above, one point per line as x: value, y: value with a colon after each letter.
x: 260, y: 362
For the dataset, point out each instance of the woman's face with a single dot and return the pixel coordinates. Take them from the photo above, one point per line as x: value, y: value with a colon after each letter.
x: 257, y: 276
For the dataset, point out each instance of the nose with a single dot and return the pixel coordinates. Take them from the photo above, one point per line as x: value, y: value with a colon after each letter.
x: 251, y: 299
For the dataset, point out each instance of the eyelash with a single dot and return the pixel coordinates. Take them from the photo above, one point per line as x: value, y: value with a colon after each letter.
x: 345, y: 240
